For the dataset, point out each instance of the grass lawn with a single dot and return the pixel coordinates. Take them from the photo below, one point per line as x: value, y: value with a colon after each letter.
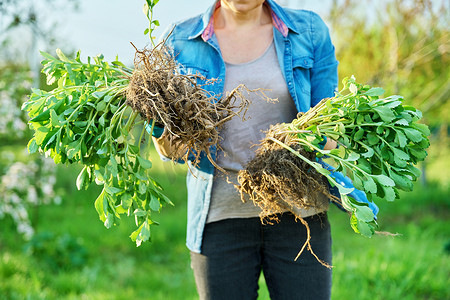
x: 76, y: 257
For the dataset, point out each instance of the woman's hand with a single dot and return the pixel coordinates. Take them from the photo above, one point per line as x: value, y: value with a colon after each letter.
x: 330, y: 145
x: 168, y: 149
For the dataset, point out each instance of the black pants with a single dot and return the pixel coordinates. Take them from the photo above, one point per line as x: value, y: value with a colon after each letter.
x: 234, y: 251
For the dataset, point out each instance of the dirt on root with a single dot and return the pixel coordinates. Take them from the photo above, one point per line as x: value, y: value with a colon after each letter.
x: 277, y: 180
x: 191, y: 116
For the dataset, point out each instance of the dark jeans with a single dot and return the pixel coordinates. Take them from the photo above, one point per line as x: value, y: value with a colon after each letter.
x: 234, y: 251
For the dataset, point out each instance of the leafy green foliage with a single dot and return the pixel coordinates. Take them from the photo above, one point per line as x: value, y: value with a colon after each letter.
x: 381, y: 141
x: 86, y: 120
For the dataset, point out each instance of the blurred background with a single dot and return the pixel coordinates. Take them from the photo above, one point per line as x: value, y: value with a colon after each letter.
x: 52, y: 244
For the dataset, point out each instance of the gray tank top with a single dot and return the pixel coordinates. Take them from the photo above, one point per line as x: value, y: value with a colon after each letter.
x: 241, y: 137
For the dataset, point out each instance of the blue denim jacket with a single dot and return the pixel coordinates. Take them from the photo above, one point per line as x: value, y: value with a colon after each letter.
x: 307, y: 58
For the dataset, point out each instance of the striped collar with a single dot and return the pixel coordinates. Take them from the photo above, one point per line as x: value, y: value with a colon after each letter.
x: 276, y: 21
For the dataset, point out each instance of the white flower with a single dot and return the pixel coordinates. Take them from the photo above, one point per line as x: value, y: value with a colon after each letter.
x: 26, y: 230
x: 32, y: 195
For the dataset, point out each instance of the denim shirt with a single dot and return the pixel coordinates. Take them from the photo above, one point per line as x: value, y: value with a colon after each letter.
x: 307, y: 59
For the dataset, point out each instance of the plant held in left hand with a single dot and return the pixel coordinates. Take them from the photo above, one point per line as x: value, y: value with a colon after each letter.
x: 380, y: 142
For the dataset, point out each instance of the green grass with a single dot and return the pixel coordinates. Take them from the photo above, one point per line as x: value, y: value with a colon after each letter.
x: 413, y: 265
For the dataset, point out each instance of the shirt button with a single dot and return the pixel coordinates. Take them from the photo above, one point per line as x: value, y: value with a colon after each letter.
x: 290, y: 83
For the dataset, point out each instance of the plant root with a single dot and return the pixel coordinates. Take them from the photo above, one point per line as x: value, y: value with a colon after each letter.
x: 190, y: 114
x: 276, y: 180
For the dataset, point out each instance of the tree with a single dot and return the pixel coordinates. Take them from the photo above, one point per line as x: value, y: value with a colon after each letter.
x: 401, y: 45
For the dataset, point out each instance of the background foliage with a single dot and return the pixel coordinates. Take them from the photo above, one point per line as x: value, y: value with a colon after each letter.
x: 64, y: 252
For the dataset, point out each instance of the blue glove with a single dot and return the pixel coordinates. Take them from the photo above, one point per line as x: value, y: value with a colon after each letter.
x: 157, y: 130
x: 323, y: 142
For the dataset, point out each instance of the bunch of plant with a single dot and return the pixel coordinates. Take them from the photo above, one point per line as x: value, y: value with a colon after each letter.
x: 97, y: 117
x: 179, y: 103
x: 380, y: 141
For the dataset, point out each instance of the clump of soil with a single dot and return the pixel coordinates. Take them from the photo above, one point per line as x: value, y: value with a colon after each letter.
x: 191, y: 116
x: 277, y: 180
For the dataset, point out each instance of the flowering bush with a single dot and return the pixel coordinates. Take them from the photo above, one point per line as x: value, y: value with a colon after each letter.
x: 15, y: 85
x: 28, y: 182
x: 24, y: 185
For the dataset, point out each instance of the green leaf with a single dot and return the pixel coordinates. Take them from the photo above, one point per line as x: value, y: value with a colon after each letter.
x: 346, y: 203
x: 343, y: 190
x: 359, y: 134
x: 370, y: 185
x: 146, y: 31
x: 400, y: 162
x: 401, y: 182
x: 353, y: 156
x: 142, y: 234
x: 113, y: 190
x: 369, y: 153
x: 166, y: 199
x: 155, y: 205
x: 61, y: 55
x: 354, y: 223
x: 54, y: 120
x: 372, y: 138
x: 402, y: 121
x: 385, y: 113
x: 113, y: 165
x: 413, y: 134
x: 365, y: 229
x: 140, y: 213
x: 101, y: 105
x: 364, y: 165
x: 146, y: 164
x: 374, y: 92
x: 413, y: 170
x: 47, y: 56
x: 400, y: 154
x: 83, y: 179
x: 141, y: 175
x: 109, y: 222
x: 40, y: 135
x: 99, y: 206
x: 32, y: 146
x: 43, y: 116
x: 384, y: 180
x: 364, y: 213
x: 389, y: 193
x: 422, y: 128
x: 358, y: 182
x: 127, y: 200
x: 401, y: 139
x: 418, y: 153
x: 74, y: 150
x: 142, y: 188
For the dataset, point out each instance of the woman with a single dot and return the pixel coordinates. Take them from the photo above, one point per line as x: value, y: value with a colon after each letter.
x: 289, y: 52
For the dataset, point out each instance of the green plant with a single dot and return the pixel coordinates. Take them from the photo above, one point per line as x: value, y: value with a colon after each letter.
x: 381, y: 141
x: 152, y: 24
x: 86, y: 120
